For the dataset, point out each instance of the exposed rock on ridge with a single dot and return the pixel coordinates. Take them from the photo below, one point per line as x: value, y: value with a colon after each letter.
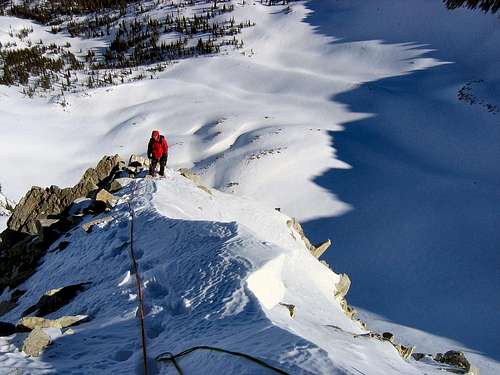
x: 41, y: 203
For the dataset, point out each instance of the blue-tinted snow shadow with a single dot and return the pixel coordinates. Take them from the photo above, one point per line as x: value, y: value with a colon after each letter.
x: 190, y: 279
x: 422, y: 243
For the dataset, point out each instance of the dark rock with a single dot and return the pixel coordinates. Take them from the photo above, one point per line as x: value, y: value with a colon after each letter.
x: 78, y: 206
x: 455, y: 358
x: 404, y: 351
x: 55, y: 299
x: 138, y: 161
x: 6, y: 306
x: 418, y: 356
x: 130, y: 171
x: 96, y: 208
x: 438, y: 357
x: 19, y: 262
x: 7, y: 329
x: 291, y: 309
x: 388, y: 336
x: 63, y: 245
x: 44, y: 230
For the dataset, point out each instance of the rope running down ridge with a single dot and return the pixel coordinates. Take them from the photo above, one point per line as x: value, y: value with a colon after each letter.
x: 140, y: 291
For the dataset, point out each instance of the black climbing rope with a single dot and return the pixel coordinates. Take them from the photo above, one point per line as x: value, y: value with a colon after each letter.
x: 169, y: 357
x: 140, y: 291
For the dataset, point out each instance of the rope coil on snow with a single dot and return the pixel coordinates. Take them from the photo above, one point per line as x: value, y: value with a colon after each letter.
x: 169, y: 357
x: 140, y: 292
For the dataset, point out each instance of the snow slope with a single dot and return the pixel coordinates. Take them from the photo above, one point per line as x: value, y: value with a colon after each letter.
x: 345, y: 115
x: 421, y: 244
x: 215, y: 268
x: 6, y: 206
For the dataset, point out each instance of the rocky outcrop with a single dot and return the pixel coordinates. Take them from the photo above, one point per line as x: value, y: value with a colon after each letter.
x: 36, y: 342
x: 291, y: 309
x: 315, y: 250
x: 454, y: 358
x: 342, y: 287
x: 41, y: 203
x: 44, y: 229
x: 87, y: 227
x: 19, y: 261
x: 404, y: 351
x: 53, y: 300
x: 106, y: 197
x: 43, y: 215
x: 457, y: 361
x: 318, y: 250
x: 34, y: 322
x: 190, y: 175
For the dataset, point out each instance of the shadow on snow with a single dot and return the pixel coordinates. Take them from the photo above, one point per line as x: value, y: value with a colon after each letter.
x: 422, y: 241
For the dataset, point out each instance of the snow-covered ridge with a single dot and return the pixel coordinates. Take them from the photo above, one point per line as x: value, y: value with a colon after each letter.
x: 217, y: 270
x: 267, y: 124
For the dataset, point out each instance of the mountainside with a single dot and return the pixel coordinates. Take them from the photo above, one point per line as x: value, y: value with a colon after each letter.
x: 374, y: 124
x: 217, y: 270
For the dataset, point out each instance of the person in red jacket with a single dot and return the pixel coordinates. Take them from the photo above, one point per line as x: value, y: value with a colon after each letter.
x: 157, y: 153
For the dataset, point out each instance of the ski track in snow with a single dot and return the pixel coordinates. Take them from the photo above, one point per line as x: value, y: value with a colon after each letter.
x: 268, y: 125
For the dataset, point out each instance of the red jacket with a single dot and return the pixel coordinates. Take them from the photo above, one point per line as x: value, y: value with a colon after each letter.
x: 158, y: 146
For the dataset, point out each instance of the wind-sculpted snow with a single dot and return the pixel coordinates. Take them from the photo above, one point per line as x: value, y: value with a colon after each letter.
x: 364, y: 119
x: 215, y: 269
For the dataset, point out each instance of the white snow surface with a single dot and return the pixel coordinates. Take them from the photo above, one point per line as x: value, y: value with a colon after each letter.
x: 5, y: 210
x: 3, y: 222
x: 345, y: 115
x: 215, y: 268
